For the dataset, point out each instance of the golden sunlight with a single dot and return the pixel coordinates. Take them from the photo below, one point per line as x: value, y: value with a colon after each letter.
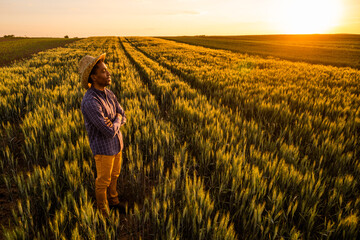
x: 309, y: 16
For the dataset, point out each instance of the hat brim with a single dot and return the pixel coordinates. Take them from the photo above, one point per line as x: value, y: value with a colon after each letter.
x: 86, y: 73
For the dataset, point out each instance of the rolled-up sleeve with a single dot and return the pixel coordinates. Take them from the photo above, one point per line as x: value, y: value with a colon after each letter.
x: 93, y: 111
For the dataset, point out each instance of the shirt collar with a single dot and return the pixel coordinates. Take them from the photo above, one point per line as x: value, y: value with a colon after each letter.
x: 98, y: 91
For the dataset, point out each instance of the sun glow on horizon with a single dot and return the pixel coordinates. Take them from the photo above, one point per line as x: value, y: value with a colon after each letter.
x: 38, y: 18
x: 309, y: 16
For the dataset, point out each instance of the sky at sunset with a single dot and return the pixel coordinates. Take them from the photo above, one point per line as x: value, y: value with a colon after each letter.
x: 84, y: 18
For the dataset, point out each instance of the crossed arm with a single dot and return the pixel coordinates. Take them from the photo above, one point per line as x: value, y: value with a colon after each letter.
x: 110, y: 124
x: 93, y: 111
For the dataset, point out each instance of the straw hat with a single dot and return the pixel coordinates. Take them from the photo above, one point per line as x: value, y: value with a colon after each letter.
x: 86, y: 64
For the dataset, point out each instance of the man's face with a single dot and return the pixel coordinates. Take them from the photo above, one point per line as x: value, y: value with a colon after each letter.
x: 102, y: 76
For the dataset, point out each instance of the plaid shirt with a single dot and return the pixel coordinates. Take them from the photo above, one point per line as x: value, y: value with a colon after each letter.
x: 95, y: 106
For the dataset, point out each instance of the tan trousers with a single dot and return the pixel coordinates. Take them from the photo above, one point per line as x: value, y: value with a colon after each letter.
x: 108, y: 170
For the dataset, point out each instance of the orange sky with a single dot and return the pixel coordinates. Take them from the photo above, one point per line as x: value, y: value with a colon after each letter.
x: 84, y: 18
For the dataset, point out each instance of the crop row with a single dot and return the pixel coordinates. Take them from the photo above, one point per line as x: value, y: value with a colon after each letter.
x: 208, y: 129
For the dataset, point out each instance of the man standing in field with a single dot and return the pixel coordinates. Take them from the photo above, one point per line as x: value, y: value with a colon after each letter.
x: 103, y: 118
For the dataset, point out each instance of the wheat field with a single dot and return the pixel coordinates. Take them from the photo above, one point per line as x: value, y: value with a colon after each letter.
x: 218, y: 145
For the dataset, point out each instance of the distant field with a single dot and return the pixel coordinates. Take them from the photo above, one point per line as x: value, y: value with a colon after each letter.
x: 17, y: 48
x: 338, y: 49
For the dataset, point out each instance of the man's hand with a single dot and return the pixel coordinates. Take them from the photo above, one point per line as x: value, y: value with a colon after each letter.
x: 108, y: 122
x: 122, y: 119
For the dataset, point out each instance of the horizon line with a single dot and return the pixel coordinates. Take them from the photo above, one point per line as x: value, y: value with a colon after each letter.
x: 196, y: 35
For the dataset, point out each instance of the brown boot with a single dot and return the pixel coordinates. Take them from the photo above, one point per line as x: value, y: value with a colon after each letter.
x: 120, y: 207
